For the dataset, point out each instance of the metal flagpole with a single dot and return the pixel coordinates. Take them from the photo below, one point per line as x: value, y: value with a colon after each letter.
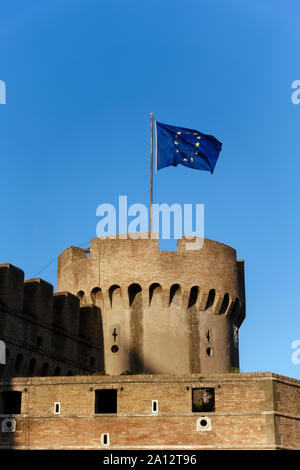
x: 151, y: 169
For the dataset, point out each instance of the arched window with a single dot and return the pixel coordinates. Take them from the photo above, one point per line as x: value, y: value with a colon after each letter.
x: 81, y: 297
x: 133, y: 290
x: 31, y: 368
x: 154, y: 288
x: 57, y: 371
x: 18, y: 364
x: 224, y: 304
x: 113, y: 290
x: 96, y: 296
x: 45, y: 369
x: 210, y: 299
x: 193, y: 296
x: 175, y: 289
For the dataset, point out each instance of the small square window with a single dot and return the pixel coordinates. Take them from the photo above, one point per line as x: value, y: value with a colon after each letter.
x: 10, y: 402
x: 106, y: 401
x: 203, y: 399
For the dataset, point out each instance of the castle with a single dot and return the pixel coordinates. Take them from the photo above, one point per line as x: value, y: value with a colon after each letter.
x: 138, y: 349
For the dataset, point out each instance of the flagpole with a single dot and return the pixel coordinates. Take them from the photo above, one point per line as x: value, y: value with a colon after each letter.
x: 151, y: 169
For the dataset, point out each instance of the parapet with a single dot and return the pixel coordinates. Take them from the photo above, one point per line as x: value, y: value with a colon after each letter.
x: 125, y: 261
x: 34, y: 301
x: 11, y: 286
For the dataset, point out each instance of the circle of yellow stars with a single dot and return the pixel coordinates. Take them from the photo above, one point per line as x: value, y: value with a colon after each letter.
x: 196, y: 144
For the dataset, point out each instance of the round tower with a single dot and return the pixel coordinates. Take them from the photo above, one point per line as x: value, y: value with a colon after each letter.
x: 171, y: 312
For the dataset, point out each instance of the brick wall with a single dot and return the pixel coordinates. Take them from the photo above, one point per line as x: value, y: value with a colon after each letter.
x: 247, y: 412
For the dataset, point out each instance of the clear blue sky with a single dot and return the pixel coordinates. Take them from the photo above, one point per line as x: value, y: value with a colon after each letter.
x: 82, y: 78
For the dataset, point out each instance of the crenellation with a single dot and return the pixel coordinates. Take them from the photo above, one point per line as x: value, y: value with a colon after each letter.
x: 66, y: 312
x: 38, y: 299
x: 41, y: 329
x: 90, y: 321
x: 11, y: 287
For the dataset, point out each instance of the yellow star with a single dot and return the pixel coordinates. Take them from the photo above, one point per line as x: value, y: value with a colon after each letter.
x: 197, y: 144
x: 175, y: 142
x: 179, y: 133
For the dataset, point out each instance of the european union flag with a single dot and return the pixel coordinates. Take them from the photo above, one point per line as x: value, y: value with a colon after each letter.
x: 178, y: 145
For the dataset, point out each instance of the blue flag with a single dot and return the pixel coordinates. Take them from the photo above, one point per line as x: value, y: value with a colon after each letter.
x: 178, y: 145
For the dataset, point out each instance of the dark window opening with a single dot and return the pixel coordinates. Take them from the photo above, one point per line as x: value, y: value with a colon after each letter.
x: 10, y: 402
x: 210, y: 299
x: 112, y: 291
x: 106, y: 401
x: 208, y: 336
x: 57, y: 408
x: 154, y: 406
x: 193, y: 296
x: 209, y: 352
x: 133, y: 291
x: 114, y: 348
x: 45, y: 369
x: 154, y: 287
x: 31, y: 368
x: 203, y: 399
x: 81, y: 297
x: 19, y: 362
x: 96, y: 295
x: 105, y: 439
x: 225, y: 304
x: 39, y: 342
x: 174, y: 289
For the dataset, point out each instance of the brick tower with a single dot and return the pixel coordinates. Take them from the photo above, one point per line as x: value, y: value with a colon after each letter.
x: 162, y: 312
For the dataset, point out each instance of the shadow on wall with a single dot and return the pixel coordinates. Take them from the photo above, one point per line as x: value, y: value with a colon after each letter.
x: 42, y: 361
x: 12, y: 404
x: 192, y: 302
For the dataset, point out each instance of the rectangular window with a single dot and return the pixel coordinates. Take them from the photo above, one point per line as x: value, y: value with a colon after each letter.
x: 10, y: 403
x: 57, y: 408
x: 106, y: 401
x: 105, y: 439
x: 154, y: 406
x: 203, y: 399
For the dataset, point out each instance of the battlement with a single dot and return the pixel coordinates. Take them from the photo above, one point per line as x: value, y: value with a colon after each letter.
x: 45, y: 324
x: 129, y: 261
